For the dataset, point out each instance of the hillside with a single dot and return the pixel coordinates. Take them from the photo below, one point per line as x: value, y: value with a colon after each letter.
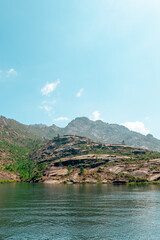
x: 30, y: 135
x: 17, y: 142
x: 19, y: 134
x: 73, y: 159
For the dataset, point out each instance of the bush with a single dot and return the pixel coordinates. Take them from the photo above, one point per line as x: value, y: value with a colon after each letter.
x: 81, y: 170
x: 69, y: 169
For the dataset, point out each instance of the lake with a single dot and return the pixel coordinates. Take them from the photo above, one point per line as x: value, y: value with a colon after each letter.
x: 57, y: 212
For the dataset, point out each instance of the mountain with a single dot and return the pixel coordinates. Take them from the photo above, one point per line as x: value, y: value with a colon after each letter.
x: 19, y: 134
x: 110, y: 133
x: 27, y: 154
x: 100, y: 131
x: 25, y: 135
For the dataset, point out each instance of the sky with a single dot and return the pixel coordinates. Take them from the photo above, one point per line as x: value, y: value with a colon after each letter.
x: 96, y: 58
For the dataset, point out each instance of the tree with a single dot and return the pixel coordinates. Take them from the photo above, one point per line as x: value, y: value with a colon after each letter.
x: 81, y: 170
x: 123, y: 142
x: 69, y: 169
x: 60, y: 162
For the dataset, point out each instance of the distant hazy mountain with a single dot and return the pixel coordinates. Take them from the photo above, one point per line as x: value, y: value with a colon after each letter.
x: 110, y: 133
x: 82, y: 126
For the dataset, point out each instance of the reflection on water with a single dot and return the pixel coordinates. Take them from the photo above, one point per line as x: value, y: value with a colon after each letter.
x: 39, y: 211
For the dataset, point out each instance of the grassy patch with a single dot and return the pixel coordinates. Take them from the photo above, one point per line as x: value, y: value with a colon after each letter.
x: 6, y: 181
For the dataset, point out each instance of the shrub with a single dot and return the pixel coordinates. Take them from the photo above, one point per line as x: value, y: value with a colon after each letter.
x: 69, y: 167
x: 81, y: 170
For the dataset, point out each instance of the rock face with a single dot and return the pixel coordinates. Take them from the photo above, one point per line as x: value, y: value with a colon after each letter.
x: 76, y: 159
x: 8, y: 176
x: 76, y: 150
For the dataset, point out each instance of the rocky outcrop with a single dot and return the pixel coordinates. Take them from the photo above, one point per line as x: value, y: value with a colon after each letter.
x: 105, y: 174
x: 8, y: 176
x: 73, y: 159
x: 61, y: 147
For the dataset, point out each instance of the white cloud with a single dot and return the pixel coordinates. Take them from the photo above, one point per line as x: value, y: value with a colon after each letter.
x: 11, y: 72
x: 136, y: 127
x: 79, y: 94
x: 61, y: 119
x: 49, y: 87
x: 96, y: 116
x: 47, y: 105
x: 47, y: 108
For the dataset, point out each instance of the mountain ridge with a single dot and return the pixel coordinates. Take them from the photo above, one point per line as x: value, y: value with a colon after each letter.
x: 38, y: 153
x: 80, y: 126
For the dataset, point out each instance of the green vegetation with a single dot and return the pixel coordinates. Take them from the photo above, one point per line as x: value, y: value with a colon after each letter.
x: 60, y: 162
x: 6, y: 181
x: 81, y: 170
x: 131, y: 178
x: 69, y: 167
x: 41, y: 167
x: 23, y: 168
x: 99, y: 170
x: 18, y: 160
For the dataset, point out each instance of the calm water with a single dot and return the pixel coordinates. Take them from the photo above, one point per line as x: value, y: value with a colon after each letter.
x: 37, y: 211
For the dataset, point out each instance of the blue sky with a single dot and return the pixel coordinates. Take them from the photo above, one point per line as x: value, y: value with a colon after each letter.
x: 95, y: 58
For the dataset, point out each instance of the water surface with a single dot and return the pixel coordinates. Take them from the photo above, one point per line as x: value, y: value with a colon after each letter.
x: 64, y: 212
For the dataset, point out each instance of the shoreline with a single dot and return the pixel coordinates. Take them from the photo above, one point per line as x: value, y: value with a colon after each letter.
x: 54, y: 182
